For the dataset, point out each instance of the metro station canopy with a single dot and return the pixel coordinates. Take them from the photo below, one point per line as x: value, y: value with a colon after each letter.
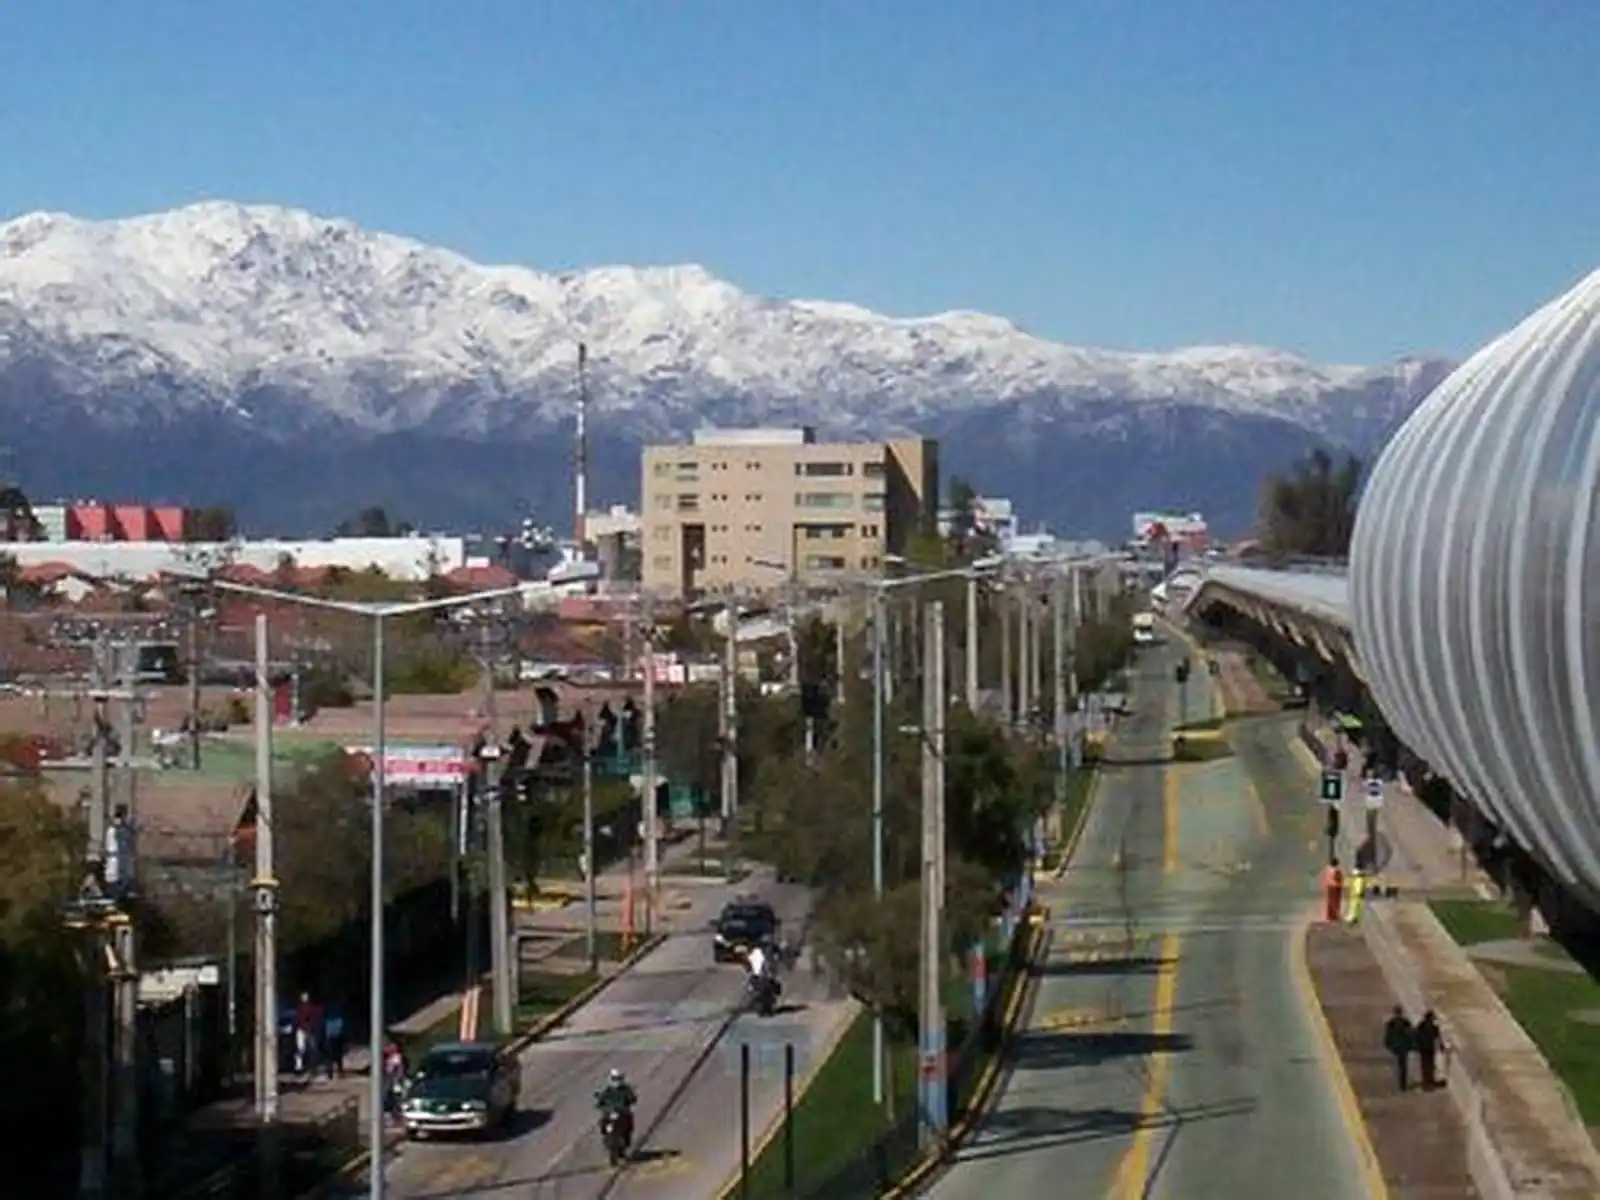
x: 1475, y: 583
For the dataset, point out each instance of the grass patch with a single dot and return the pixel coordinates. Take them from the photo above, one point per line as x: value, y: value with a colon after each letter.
x: 1543, y: 1003
x: 544, y: 992
x: 1471, y: 922
x: 610, y: 945
x: 838, y: 1128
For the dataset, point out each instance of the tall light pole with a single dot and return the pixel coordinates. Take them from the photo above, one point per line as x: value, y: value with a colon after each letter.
x: 971, y: 662
x: 931, y: 1067
x: 379, y: 612
x: 881, y: 690
x: 265, y: 887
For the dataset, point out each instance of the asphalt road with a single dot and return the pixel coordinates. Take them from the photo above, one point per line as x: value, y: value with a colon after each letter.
x: 1168, y: 1050
x: 657, y: 1022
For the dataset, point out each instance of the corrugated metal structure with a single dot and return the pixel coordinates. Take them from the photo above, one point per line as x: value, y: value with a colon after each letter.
x: 1475, y: 583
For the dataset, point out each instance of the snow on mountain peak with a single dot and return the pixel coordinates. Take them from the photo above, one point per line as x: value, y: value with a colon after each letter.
x: 229, y: 299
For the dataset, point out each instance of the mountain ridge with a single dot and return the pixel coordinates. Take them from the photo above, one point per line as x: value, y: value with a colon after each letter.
x: 274, y: 327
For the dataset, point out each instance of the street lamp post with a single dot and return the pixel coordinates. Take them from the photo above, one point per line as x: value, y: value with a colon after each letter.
x: 880, y: 615
x: 379, y: 612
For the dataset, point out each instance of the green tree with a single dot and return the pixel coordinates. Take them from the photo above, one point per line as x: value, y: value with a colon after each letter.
x: 1311, y: 509
x: 42, y: 967
x: 212, y: 523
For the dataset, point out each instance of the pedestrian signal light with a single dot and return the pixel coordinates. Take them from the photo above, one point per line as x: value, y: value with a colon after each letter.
x: 1332, y: 787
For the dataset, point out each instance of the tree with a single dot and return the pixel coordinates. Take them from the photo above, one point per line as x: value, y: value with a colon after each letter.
x: 967, y: 540
x: 212, y: 523
x: 42, y: 967
x: 372, y: 522
x: 1311, y: 510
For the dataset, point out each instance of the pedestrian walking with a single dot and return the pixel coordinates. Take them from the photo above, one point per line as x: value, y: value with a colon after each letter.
x: 333, y: 1036
x: 1399, y: 1039
x: 1430, y: 1040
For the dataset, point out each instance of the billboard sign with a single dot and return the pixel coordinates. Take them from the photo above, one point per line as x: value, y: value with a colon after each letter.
x: 1171, y: 529
x: 430, y: 767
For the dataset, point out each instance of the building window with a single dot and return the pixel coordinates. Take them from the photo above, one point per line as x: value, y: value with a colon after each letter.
x: 824, y: 470
x: 661, y: 470
x: 815, y: 532
x: 869, y: 562
x: 823, y: 499
x: 869, y: 531
x: 825, y: 562
x: 752, y: 528
x: 688, y: 502
x: 663, y: 533
x: 665, y: 501
x: 872, y: 470
x: 752, y: 497
x: 872, y: 502
x: 662, y: 562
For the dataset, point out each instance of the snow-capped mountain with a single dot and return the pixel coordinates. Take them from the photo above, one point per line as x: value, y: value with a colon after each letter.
x: 270, y: 336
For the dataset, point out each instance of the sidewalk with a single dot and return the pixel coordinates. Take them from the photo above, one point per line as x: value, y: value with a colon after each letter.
x: 1426, y: 855
x: 1419, y: 1137
x: 1525, y: 1139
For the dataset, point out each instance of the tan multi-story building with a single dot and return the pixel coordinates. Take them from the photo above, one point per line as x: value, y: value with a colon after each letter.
x: 740, y: 509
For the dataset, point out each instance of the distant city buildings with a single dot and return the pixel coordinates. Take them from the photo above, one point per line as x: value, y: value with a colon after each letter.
x: 992, y: 516
x: 752, y: 509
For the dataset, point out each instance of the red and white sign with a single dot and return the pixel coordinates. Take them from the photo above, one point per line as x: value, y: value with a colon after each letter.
x: 430, y: 767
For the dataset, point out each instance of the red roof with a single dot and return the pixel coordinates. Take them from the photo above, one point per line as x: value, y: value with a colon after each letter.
x: 48, y: 574
x: 479, y: 579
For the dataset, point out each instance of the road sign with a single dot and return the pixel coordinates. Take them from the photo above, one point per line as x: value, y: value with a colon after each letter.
x: 1374, y: 793
x: 1332, y: 787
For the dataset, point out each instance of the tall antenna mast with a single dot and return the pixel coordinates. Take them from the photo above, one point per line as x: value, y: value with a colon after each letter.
x: 581, y: 496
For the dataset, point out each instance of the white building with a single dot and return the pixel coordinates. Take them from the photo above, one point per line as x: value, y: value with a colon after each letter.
x: 410, y: 558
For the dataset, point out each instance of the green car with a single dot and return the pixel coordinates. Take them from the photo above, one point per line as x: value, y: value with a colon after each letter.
x: 461, y: 1087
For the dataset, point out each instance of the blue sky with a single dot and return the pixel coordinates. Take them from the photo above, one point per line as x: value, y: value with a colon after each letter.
x: 1350, y: 179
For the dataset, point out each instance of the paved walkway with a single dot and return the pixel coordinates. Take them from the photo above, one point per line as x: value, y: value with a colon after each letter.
x: 1522, y: 1134
x: 1510, y: 1098
x: 1417, y: 851
x: 1418, y: 1136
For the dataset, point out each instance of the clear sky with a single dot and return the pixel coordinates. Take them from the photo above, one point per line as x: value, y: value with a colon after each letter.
x: 1350, y: 179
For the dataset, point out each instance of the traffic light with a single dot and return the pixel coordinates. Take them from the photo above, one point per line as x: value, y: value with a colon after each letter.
x: 1332, y: 787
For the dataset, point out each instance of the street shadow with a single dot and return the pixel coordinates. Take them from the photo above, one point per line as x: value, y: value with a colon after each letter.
x: 1089, y: 1048
x: 790, y: 1007
x: 1025, y: 1130
x: 1134, y: 964
x: 525, y: 1121
x: 651, y: 1156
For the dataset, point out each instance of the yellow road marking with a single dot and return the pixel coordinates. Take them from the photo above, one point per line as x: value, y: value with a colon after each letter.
x: 1130, y: 1179
x: 1344, y: 1095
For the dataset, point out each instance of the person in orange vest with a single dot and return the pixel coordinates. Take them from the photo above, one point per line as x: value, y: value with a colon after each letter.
x: 1332, y: 890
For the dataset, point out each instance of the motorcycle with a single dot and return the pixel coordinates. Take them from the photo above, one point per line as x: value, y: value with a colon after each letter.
x: 616, y: 1131
x: 764, y: 991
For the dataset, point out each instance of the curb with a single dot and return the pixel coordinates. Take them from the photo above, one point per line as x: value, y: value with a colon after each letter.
x: 516, y: 1045
x: 987, y: 1085
x: 770, y: 1134
x: 1070, y: 846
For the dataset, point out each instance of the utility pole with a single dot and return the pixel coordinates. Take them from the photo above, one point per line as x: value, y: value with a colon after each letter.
x: 121, y: 853
x: 590, y: 905
x: 500, y: 967
x: 838, y: 659
x: 971, y: 662
x: 880, y: 617
x: 1035, y: 649
x: 1008, y: 696
x: 194, y: 684
x: 96, y: 1108
x: 650, y: 774
x: 932, y: 1065
x: 728, y: 730
x: 1072, y: 668
x: 1024, y: 647
x: 1058, y: 674
x: 265, y: 888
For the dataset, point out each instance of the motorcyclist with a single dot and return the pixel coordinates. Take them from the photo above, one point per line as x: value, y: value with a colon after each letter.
x: 759, y: 960
x: 617, y: 1098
